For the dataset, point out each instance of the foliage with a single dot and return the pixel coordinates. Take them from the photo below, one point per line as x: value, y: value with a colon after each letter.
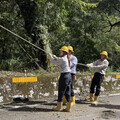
x: 90, y: 26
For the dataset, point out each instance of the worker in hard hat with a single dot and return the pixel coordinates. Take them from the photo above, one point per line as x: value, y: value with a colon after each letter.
x: 100, y: 67
x: 74, y: 62
x: 64, y: 87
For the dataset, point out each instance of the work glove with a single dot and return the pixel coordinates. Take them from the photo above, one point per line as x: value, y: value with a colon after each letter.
x: 89, y: 65
x: 54, y: 56
x: 50, y: 54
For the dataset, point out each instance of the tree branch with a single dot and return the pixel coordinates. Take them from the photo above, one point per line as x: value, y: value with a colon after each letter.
x: 116, y: 9
x: 113, y: 25
x: 29, y: 55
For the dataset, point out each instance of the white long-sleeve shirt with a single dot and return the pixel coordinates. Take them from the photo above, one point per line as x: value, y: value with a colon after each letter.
x: 62, y: 62
x: 100, y: 66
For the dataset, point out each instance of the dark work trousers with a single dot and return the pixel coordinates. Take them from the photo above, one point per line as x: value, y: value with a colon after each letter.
x: 96, y: 83
x: 64, y: 87
x: 72, y: 84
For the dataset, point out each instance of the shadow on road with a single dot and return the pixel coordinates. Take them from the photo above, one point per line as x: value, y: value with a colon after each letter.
x: 30, y: 106
x: 108, y: 106
x: 82, y: 102
x: 28, y: 109
x: 103, y: 105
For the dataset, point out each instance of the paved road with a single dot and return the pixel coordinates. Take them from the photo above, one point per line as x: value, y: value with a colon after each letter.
x: 108, y: 109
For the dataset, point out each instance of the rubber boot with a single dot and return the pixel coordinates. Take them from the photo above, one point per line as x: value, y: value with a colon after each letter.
x: 72, y: 101
x: 68, y: 108
x: 64, y: 100
x: 95, y: 100
x: 91, y: 99
x: 59, y: 106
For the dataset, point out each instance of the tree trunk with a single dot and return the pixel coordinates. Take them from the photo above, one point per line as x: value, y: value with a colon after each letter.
x: 30, y: 12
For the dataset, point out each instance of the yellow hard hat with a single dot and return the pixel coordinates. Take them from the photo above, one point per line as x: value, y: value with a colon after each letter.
x: 64, y: 48
x: 70, y: 48
x: 104, y: 53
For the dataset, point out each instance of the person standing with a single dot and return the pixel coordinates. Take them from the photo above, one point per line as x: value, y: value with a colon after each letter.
x: 64, y: 87
x: 100, y: 67
x: 73, y: 67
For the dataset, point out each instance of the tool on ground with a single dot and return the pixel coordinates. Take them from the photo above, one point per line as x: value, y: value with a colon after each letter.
x: 20, y: 100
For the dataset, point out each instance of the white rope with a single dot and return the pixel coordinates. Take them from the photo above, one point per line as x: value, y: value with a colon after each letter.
x: 22, y: 38
x: 30, y: 42
x: 82, y: 64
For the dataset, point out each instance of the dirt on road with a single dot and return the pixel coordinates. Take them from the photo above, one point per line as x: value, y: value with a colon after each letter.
x: 107, y: 109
